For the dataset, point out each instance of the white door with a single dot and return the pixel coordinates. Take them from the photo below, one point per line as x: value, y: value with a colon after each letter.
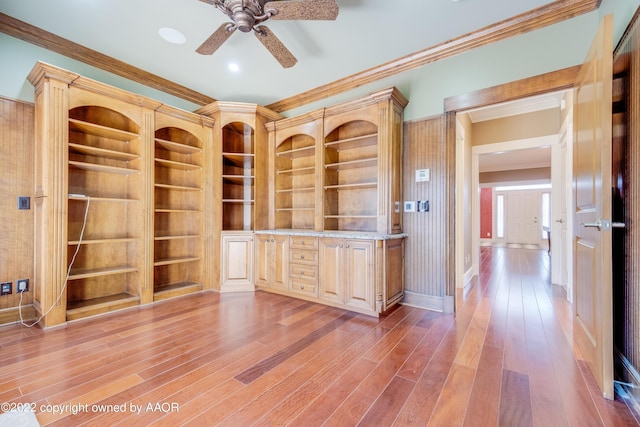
x: 523, y: 217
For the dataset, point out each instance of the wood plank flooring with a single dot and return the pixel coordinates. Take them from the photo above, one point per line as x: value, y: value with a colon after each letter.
x: 505, y: 359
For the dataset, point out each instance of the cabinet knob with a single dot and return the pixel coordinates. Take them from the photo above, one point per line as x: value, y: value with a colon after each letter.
x: 347, y: 245
x: 301, y: 286
x: 340, y: 244
x: 301, y: 256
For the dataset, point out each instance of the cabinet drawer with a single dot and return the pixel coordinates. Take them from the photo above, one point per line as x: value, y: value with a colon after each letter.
x: 301, y: 256
x: 303, y: 286
x: 303, y: 242
x: 303, y: 271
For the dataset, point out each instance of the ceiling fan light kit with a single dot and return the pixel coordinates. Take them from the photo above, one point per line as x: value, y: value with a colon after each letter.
x: 247, y: 15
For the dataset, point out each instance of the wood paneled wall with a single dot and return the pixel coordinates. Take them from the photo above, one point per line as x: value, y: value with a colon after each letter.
x: 425, y: 250
x: 626, y: 143
x: 16, y: 226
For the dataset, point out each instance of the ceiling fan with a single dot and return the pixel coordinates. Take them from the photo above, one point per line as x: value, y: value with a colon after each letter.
x: 247, y: 15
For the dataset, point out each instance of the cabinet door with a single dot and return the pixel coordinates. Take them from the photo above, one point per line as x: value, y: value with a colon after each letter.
x: 331, y: 275
x: 358, y: 278
x: 280, y: 264
x: 237, y: 262
x: 263, y: 242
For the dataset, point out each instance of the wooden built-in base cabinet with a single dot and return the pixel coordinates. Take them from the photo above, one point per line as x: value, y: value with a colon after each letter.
x: 358, y: 274
x: 272, y: 263
x: 237, y: 262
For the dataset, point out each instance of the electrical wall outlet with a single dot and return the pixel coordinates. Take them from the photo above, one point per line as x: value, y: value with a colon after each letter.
x: 22, y: 285
x: 5, y: 288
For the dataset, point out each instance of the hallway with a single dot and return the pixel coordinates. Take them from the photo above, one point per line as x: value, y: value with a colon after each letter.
x: 526, y: 355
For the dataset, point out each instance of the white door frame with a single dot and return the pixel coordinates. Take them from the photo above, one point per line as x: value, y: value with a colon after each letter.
x: 476, y: 151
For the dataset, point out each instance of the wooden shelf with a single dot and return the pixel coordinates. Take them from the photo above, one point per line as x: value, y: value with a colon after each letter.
x: 350, y: 216
x: 298, y: 152
x: 85, y: 273
x: 99, y: 241
x: 172, y: 210
x: 177, y: 260
x: 297, y: 171
x: 178, y: 147
x: 355, y: 142
x: 238, y: 179
x: 177, y: 187
x: 361, y: 163
x: 296, y: 190
x: 102, y: 168
x: 101, y: 131
x: 171, y: 290
x: 238, y: 201
x: 89, y: 307
x: 183, y: 237
x: 295, y: 209
x: 77, y: 197
x: 177, y: 165
x: 102, y: 152
x: 238, y: 159
x: 354, y: 186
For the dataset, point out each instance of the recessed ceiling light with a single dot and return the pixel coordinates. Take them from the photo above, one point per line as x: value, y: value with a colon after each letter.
x: 172, y: 35
x: 234, y: 67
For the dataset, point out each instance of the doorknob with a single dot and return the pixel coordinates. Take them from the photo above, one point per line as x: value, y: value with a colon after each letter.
x: 596, y: 224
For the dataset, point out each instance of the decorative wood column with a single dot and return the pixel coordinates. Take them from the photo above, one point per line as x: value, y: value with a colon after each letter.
x: 51, y: 198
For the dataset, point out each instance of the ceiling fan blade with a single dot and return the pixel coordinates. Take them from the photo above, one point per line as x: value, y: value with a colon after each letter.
x: 216, y: 39
x: 325, y: 10
x: 275, y: 46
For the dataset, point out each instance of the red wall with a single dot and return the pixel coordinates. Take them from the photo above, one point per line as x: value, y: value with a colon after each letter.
x: 486, y: 213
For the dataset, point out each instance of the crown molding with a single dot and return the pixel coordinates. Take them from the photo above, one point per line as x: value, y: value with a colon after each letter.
x: 535, y: 19
x: 44, y: 39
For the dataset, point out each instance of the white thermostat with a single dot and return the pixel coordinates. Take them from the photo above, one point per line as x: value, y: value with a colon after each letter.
x: 423, y: 175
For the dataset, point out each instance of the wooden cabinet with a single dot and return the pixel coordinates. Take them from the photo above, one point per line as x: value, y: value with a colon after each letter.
x: 237, y: 262
x: 303, y: 265
x: 346, y: 272
x: 240, y: 183
x: 272, y: 263
x: 336, y: 177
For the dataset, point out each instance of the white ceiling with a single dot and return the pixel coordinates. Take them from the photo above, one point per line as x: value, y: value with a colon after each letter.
x: 366, y: 33
x: 530, y: 158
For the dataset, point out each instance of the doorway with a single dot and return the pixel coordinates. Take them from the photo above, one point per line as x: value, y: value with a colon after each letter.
x: 524, y: 142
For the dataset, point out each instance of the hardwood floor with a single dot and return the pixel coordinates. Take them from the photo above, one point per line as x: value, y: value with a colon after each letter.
x: 505, y: 359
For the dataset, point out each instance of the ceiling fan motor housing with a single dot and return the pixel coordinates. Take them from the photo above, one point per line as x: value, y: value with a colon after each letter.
x: 245, y: 13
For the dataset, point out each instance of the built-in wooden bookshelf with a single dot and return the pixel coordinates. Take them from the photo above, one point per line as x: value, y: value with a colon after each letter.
x: 179, y: 204
x: 240, y: 186
x: 120, y: 198
x: 336, y: 191
x: 104, y: 186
